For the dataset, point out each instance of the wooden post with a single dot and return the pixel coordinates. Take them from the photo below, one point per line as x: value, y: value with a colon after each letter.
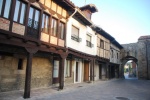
x: 27, y: 88
x: 28, y: 76
x: 91, y: 72
x: 107, y: 70
x: 61, y: 71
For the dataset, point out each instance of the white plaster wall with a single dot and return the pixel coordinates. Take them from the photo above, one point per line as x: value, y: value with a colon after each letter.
x: 83, y: 30
x: 96, y: 70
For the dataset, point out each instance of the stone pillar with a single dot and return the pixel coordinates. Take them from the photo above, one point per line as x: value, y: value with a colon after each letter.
x: 27, y: 88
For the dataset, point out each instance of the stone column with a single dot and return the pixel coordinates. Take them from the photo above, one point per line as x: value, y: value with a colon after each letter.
x: 93, y: 70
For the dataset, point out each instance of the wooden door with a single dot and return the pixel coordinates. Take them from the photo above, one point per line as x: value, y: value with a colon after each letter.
x: 86, y: 71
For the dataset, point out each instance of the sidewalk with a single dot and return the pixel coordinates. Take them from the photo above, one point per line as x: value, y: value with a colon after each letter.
x: 52, y: 90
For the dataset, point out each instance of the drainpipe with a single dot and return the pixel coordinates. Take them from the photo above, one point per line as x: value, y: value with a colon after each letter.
x: 73, y: 13
x: 67, y: 23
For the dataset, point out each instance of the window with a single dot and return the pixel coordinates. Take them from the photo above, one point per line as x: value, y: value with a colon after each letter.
x: 45, y: 23
x: 20, y: 64
x: 62, y: 30
x: 33, y: 22
x: 112, y: 54
x: 75, y: 34
x: 117, y: 56
x: 5, y: 6
x: 88, y: 41
x: 20, y: 11
x: 68, y: 68
x: 54, y: 27
x: 102, y: 44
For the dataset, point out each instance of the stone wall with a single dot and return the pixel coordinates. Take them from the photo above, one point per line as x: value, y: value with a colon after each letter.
x: 13, y: 79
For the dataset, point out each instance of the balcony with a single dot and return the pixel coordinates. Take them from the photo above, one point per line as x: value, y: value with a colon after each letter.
x: 33, y: 28
x: 89, y: 44
x: 76, y: 38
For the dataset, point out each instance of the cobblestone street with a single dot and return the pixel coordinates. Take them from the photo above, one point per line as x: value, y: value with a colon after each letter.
x: 100, y: 90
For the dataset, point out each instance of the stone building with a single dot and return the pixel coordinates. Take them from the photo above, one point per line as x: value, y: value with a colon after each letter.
x: 140, y: 54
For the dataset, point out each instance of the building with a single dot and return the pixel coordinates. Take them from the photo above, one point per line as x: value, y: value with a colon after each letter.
x: 115, y: 51
x: 32, y: 46
x: 46, y: 42
x: 80, y: 41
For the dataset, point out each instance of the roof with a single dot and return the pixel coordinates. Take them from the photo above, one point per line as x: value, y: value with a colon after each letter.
x: 102, y: 32
x: 66, y: 3
x: 144, y: 37
x: 106, y: 35
x: 91, y: 7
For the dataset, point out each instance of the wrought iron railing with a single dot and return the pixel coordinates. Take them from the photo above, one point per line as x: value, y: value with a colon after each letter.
x: 76, y: 38
x: 33, y: 28
x: 89, y: 44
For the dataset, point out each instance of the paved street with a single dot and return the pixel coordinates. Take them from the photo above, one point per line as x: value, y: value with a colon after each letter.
x: 100, y: 90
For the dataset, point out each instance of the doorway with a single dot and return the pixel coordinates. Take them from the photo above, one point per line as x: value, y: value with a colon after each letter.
x: 86, y: 71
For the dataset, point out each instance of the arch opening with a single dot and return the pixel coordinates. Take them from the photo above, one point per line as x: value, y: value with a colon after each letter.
x: 129, y: 68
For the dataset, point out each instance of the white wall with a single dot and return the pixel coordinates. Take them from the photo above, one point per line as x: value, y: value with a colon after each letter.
x: 83, y: 30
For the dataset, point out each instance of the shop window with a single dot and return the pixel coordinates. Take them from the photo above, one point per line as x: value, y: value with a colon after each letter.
x: 68, y: 68
x: 5, y: 6
x: 20, y: 64
x: 45, y: 23
x: 20, y: 11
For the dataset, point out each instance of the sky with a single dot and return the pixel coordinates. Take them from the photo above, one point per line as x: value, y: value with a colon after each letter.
x: 125, y: 20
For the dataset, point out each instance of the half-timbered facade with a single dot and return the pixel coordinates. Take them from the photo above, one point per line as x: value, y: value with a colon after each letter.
x: 32, y: 43
x: 115, y: 51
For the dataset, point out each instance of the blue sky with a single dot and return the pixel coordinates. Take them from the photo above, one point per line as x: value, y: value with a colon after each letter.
x: 125, y: 20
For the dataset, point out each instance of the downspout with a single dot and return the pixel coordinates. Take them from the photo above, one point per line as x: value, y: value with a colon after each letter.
x: 73, y: 13
x: 67, y: 23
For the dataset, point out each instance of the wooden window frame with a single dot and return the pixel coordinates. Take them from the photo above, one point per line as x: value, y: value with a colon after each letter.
x: 3, y: 9
x: 19, y: 13
x: 75, y: 37
x: 52, y: 25
x: 89, y: 43
x: 60, y: 31
x: 101, y: 43
x: 48, y: 26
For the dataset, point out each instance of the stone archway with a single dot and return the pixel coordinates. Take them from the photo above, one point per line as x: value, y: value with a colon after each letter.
x: 124, y: 61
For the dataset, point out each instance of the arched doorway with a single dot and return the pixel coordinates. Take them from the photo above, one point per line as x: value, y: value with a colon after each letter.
x: 129, y: 68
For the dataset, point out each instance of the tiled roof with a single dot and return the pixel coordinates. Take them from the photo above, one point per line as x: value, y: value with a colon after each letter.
x: 92, y: 7
x: 144, y: 37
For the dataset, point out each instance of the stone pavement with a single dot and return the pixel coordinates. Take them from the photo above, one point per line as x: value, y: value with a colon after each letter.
x: 115, y: 89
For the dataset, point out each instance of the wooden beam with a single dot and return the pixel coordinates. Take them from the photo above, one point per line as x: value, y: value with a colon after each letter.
x: 28, y: 76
